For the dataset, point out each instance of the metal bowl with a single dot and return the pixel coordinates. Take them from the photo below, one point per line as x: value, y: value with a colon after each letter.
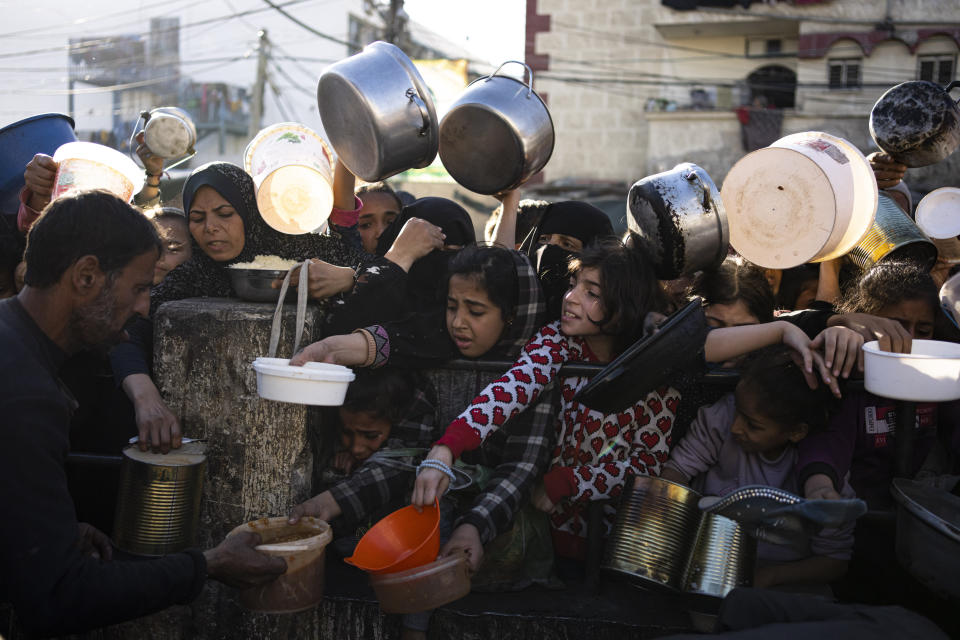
x: 254, y: 285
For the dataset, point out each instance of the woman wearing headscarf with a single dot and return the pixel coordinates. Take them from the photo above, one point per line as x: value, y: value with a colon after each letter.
x: 410, y: 275
x: 225, y: 228
x: 562, y: 232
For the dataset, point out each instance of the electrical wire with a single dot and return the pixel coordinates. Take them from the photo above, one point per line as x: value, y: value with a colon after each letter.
x: 299, y: 22
x: 119, y: 87
x: 97, y: 42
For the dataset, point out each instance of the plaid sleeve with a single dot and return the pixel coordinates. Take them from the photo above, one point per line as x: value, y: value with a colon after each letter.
x: 373, y: 485
x: 523, y: 453
x: 382, y: 479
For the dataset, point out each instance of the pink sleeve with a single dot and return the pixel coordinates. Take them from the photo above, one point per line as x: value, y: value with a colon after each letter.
x: 345, y: 218
x: 25, y: 215
x: 515, y: 390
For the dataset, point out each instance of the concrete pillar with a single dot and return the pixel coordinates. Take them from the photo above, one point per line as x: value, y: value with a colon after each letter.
x: 259, y: 455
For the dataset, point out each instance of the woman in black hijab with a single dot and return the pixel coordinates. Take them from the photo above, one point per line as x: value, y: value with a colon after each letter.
x: 562, y: 233
x: 390, y: 286
x: 206, y: 274
x: 225, y: 228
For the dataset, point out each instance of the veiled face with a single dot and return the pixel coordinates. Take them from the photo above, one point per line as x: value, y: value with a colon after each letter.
x: 216, y: 225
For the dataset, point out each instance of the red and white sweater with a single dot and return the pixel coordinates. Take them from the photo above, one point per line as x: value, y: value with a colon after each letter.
x: 595, y: 453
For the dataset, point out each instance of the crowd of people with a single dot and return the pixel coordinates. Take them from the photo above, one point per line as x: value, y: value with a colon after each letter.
x: 405, y: 285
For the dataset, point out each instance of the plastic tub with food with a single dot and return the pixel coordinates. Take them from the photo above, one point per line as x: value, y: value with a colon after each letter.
x: 315, y: 383
x: 302, y: 546
x: 929, y: 373
x: 423, y: 588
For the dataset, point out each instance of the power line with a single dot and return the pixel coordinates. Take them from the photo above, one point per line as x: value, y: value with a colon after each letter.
x: 320, y: 34
x: 118, y: 87
x: 94, y: 43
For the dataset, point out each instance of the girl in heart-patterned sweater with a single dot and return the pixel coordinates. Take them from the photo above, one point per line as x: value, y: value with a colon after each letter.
x: 612, y: 289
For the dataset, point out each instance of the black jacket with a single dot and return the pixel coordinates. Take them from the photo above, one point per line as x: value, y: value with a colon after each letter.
x: 53, y: 587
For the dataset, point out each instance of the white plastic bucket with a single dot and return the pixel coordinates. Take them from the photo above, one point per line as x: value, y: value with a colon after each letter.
x: 86, y: 165
x: 808, y: 197
x: 929, y: 373
x: 292, y: 169
x: 315, y: 383
x: 938, y: 214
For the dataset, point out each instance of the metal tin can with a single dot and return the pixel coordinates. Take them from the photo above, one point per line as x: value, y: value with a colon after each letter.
x: 158, y: 510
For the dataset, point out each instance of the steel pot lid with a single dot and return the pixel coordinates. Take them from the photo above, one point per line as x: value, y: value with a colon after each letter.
x: 916, y: 122
x: 378, y: 113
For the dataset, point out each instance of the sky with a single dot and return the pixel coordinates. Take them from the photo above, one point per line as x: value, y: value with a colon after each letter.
x: 34, y: 38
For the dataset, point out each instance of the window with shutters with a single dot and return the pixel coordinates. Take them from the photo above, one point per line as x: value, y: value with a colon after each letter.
x: 844, y: 73
x: 940, y: 69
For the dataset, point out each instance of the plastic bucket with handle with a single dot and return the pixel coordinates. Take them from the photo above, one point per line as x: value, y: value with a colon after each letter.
x: 292, y: 169
x: 87, y: 165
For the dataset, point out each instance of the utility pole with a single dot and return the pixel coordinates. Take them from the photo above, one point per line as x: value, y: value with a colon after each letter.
x: 393, y: 28
x: 256, y: 101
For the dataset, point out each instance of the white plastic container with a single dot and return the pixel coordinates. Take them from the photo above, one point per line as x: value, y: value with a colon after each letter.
x: 86, y: 165
x: 930, y: 373
x: 808, y: 197
x: 292, y: 169
x: 314, y: 383
x: 938, y: 214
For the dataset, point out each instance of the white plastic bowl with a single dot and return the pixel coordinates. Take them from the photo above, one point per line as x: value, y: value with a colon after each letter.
x: 315, y: 383
x: 930, y: 373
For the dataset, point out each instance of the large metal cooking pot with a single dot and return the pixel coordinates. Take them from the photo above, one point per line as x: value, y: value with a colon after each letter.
x: 378, y: 113
x: 917, y: 123
x: 680, y: 220
x: 497, y: 134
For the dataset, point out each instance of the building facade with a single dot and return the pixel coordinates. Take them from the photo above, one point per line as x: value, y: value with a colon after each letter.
x: 637, y: 86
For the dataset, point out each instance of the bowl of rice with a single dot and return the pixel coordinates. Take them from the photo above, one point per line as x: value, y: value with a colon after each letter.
x: 253, y: 281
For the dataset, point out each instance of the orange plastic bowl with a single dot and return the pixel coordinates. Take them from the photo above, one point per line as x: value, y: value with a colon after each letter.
x: 405, y: 539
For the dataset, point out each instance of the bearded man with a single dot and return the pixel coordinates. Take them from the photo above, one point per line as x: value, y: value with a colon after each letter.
x: 90, y: 263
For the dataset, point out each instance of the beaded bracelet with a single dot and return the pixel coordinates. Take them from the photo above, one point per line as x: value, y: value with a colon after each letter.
x: 439, y: 465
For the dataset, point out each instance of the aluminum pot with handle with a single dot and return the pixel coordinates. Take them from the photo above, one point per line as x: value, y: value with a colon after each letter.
x: 497, y: 134
x: 680, y: 220
x: 917, y: 123
x: 378, y: 113
x: 168, y: 132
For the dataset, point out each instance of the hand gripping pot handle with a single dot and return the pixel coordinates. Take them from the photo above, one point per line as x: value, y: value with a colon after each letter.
x: 415, y: 98
x: 707, y: 195
x: 302, y: 291
x: 528, y: 75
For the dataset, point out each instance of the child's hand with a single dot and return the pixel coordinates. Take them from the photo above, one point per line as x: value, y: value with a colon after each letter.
x: 807, y: 358
x: 890, y: 334
x: 465, y: 539
x: 344, y: 462
x: 540, y: 499
x: 322, y: 506
x: 841, y: 349
x: 431, y: 483
x: 819, y: 486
